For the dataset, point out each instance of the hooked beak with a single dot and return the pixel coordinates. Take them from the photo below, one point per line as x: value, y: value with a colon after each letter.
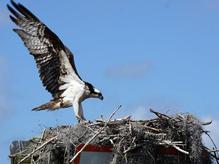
x: 101, y: 97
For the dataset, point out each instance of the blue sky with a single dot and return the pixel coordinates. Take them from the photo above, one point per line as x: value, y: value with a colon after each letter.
x: 160, y: 54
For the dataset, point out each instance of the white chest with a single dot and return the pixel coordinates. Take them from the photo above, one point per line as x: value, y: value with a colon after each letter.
x: 74, y: 91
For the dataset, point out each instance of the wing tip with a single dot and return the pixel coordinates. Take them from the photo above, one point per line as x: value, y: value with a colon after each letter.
x: 14, y: 4
x: 37, y: 109
x: 8, y: 6
x: 14, y: 14
x: 16, y: 30
x: 13, y: 19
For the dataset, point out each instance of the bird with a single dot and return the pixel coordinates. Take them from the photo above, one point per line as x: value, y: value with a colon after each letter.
x: 55, y: 63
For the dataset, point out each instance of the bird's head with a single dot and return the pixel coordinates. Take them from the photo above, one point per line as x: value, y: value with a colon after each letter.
x: 94, y: 92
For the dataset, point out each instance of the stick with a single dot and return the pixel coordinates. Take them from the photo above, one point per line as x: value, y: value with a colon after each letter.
x: 114, y: 113
x: 180, y: 150
x: 211, y: 139
x: 206, y: 123
x: 154, y: 129
x: 160, y: 115
x: 41, y: 139
x: 95, y: 135
x: 170, y: 143
x: 215, y: 147
x: 48, y: 141
x: 214, y: 150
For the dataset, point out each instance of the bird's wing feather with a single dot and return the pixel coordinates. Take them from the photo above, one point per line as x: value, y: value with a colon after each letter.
x: 54, y: 60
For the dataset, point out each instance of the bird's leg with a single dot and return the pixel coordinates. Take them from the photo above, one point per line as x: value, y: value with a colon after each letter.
x: 80, y: 120
x: 79, y: 112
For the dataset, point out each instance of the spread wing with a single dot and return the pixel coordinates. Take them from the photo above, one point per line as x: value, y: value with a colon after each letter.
x: 54, y: 60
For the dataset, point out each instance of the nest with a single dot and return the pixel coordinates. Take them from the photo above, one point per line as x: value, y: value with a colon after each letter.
x: 181, y: 132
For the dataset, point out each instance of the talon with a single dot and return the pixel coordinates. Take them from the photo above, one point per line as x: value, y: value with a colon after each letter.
x: 81, y: 120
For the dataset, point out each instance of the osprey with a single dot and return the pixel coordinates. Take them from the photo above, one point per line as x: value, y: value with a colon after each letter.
x: 54, y: 61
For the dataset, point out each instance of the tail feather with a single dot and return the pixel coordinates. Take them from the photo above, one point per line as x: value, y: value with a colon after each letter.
x: 52, y: 105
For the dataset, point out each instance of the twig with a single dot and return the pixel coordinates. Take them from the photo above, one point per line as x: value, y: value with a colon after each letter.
x: 124, y: 118
x: 104, y: 139
x: 155, y: 135
x: 113, y: 113
x: 154, y: 129
x: 41, y: 146
x: 215, y: 147
x: 42, y: 137
x: 150, y: 154
x: 180, y: 150
x: 214, y: 150
x: 18, y: 153
x: 111, y: 141
x: 95, y: 135
x: 87, y: 126
x: 82, y: 135
x: 211, y: 139
x: 131, y: 147
x: 170, y: 143
x: 206, y: 123
x: 160, y: 115
x: 100, y: 120
x: 216, y: 156
x: 130, y: 128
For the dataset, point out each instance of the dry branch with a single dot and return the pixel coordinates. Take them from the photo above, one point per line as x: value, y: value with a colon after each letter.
x: 95, y: 135
x: 41, y: 146
x: 181, y: 132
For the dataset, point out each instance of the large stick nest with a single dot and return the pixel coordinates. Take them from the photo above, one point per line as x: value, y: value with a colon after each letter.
x: 181, y: 132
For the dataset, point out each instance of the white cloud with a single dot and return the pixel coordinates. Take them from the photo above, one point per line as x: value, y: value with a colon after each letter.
x: 140, y: 113
x: 129, y: 70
